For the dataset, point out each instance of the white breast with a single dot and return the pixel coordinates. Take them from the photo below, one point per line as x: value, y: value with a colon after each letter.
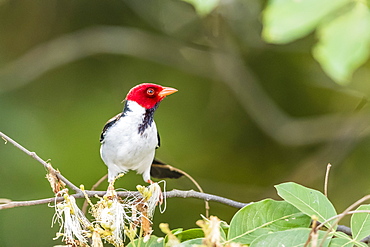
x: 124, y: 148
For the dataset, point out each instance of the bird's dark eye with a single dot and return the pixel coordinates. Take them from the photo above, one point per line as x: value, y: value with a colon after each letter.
x: 150, y: 91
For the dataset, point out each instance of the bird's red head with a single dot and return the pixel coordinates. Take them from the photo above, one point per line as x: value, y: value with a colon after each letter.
x: 148, y: 94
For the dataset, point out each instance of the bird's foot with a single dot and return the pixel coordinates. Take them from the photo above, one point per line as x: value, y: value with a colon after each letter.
x: 110, y: 191
x: 111, y: 186
x: 111, y: 183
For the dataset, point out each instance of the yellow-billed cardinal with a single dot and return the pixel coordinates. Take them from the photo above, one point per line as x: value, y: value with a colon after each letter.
x: 129, y: 139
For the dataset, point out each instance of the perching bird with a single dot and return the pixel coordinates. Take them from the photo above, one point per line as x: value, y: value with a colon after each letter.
x: 129, y: 139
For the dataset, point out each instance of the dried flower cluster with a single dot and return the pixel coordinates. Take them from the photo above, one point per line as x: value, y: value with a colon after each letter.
x: 114, y: 218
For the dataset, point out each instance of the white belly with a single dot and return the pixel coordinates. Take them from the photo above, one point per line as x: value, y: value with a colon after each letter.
x: 125, y: 149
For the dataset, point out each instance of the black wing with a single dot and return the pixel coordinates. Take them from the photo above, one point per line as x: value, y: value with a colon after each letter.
x: 109, y: 124
x: 161, y: 170
x: 159, y: 140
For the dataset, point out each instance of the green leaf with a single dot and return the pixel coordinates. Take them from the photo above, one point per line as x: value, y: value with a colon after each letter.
x: 309, y: 201
x: 360, y: 223
x: 360, y: 244
x: 152, y: 242
x: 341, y: 240
x: 224, y: 229
x: 263, y: 217
x: 346, y: 242
x: 203, y: 7
x: 175, y: 232
x: 288, y: 20
x: 190, y: 234
x: 191, y: 243
x: 344, y: 43
x: 293, y: 237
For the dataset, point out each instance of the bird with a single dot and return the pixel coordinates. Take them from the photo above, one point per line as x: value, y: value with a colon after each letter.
x: 129, y: 139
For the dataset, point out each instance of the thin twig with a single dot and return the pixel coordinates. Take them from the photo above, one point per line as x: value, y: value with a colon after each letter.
x: 47, y: 166
x: 204, y: 196
x: 327, y: 179
x: 207, y: 207
x: 15, y: 204
x: 345, y: 212
x: 168, y: 194
x: 346, y: 229
x: 340, y: 216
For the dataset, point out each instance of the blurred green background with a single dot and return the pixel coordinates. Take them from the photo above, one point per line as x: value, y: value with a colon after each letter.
x: 248, y: 115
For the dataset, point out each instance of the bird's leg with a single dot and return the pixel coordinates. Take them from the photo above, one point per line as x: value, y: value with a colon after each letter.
x: 111, y: 183
x: 111, y: 186
x: 110, y: 191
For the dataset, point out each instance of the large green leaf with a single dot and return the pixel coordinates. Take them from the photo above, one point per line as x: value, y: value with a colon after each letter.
x: 344, y: 43
x: 289, y: 238
x: 287, y: 20
x: 343, y: 240
x: 263, y: 217
x: 360, y: 223
x: 309, y: 201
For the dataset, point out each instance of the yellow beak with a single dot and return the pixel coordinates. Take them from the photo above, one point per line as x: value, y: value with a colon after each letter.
x: 167, y: 91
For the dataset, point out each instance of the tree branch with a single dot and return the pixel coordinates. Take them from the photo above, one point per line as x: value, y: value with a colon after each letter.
x: 15, y: 204
x: 168, y: 194
x: 204, y: 196
x: 80, y: 194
